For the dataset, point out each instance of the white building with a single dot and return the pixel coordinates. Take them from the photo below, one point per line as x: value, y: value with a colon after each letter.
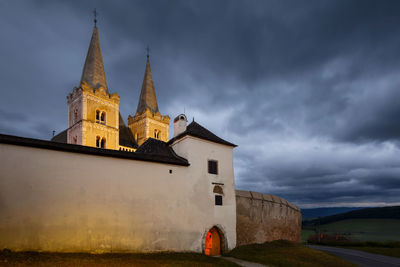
x: 72, y: 194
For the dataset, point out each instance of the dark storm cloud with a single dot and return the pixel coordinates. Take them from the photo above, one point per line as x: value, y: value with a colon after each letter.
x: 308, y: 90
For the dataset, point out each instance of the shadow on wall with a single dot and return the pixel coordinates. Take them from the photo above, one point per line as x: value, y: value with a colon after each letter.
x: 262, y: 218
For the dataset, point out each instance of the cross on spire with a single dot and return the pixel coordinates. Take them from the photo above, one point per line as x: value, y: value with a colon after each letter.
x: 148, y: 52
x: 95, y: 17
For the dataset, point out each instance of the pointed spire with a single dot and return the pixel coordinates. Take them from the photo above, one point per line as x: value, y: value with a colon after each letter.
x: 93, y: 70
x: 148, y: 94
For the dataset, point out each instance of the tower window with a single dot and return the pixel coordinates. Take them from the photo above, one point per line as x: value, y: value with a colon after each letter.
x: 218, y: 200
x: 103, y: 143
x: 97, y: 115
x: 213, y: 166
x: 97, y: 141
x: 156, y: 134
x: 103, y: 118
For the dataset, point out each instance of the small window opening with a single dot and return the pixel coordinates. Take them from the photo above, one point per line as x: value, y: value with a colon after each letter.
x: 103, y: 143
x: 218, y: 200
x: 97, y: 115
x: 103, y: 118
x: 213, y: 166
x: 97, y: 141
x: 170, y: 171
x: 156, y: 134
x: 75, y: 140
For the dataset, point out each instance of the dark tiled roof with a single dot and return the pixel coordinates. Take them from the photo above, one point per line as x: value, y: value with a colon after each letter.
x: 29, y: 142
x: 125, y: 135
x: 196, y: 130
x: 157, y: 148
x: 61, y: 137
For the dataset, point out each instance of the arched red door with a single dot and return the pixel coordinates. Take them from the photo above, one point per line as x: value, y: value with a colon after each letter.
x: 212, y: 246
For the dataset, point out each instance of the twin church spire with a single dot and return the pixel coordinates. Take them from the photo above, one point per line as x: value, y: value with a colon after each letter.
x: 94, y: 75
x: 93, y: 71
x: 94, y: 117
x: 148, y: 97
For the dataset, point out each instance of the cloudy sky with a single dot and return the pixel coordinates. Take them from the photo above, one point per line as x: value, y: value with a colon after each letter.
x: 309, y: 90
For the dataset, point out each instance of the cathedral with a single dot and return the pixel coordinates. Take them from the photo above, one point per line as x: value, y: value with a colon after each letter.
x: 93, y: 112
x: 103, y: 185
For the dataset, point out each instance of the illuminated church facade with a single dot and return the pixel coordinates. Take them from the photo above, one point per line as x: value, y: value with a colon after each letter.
x: 93, y: 112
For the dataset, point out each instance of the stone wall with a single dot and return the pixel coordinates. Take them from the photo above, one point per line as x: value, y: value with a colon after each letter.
x: 262, y: 218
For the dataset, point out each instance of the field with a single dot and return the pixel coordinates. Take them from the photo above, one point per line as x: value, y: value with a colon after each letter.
x: 285, y: 253
x: 276, y: 253
x: 35, y: 259
x: 360, y: 229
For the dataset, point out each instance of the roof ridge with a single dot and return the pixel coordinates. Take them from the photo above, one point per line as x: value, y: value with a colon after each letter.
x: 196, y: 130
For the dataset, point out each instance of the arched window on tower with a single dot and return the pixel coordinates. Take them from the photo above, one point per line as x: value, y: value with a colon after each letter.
x: 97, y: 115
x: 97, y: 141
x: 156, y: 134
x: 103, y: 118
x: 103, y: 142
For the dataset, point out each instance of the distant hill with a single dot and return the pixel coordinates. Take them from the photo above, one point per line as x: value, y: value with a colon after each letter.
x: 368, y: 213
x: 322, y: 212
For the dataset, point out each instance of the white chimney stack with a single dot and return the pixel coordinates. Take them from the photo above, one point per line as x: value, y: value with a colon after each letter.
x: 179, y: 124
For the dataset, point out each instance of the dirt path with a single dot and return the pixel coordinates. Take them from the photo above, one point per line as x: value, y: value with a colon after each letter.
x: 243, y: 263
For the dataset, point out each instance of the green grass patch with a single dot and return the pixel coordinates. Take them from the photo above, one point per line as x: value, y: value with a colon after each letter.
x: 8, y: 258
x: 305, y: 234
x: 361, y: 229
x: 286, y: 253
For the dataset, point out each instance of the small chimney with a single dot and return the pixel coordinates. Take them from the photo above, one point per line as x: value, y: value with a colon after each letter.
x: 179, y: 124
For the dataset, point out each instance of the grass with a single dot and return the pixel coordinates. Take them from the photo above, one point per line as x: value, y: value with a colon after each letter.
x: 8, y: 258
x: 305, y: 234
x: 286, y: 253
x: 361, y: 229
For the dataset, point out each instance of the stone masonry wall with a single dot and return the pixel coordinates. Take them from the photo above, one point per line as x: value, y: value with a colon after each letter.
x: 262, y: 218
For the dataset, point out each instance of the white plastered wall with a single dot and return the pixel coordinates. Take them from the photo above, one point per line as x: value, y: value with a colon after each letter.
x: 62, y: 201
x: 198, y: 152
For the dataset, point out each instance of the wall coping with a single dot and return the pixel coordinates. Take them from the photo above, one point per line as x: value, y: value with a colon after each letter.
x: 266, y: 198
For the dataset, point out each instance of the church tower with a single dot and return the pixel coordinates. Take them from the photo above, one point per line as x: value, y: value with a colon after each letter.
x: 93, y: 113
x: 148, y: 121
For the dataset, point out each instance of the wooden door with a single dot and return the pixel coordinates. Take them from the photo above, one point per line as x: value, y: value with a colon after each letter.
x: 213, y: 243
